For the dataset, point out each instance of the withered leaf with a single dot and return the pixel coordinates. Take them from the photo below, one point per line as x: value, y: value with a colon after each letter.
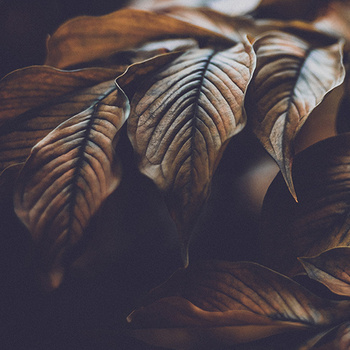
x: 332, y: 268
x: 291, y: 79
x: 239, y: 7
x: 35, y: 100
x: 320, y: 221
x: 87, y: 38
x: 219, y: 303
x: 66, y: 178
x: 181, y: 119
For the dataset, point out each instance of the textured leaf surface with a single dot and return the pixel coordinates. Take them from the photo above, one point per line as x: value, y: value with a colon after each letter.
x: 66, y: 178
x: 320, y: 221
x: 215, y: 303
x: 88, y: 38
x: 239, y: 7
x: 35, y: 100
x: 291, y: 79
x: 181, y: 119
x: 332, y: 268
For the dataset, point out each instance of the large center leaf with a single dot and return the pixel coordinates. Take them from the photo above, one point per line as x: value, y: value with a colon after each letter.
x: 68, y: 175
x: 181, y: 120
x: 291, y: 79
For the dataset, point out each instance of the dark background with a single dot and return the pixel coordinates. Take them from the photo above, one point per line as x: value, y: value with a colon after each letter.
x: 138, y: 239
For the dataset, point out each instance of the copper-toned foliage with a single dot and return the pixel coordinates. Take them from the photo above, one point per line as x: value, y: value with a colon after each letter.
x: 181, y: 119
x: 68, y: 175
x: 35, y: 100
x: 320, y: 220
x: 291, y: 79
x: 89, y: 38
x: 332, y: 268
x: 216, y: 303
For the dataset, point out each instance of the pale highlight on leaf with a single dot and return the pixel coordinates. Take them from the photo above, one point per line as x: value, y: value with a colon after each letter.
x: 181, y: 120
x: 332, y: 268
x: 320, y: 221
x: 223, y: 303
x: 37, y: 99
x: 291, y: 79
x: 65, y: 180
x: 83, y: 39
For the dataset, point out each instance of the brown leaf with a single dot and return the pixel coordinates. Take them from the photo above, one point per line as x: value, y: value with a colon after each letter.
x: 320, y: 221
x: 180, y: 121
x: 35, y: 100
x: 332, y: 268
x: 86, y: 38
x: 220, y: 303
x: 67, y: 177
x: 291, y: 79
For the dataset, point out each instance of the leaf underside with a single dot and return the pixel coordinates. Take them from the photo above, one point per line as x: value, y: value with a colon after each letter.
x: 181, y: 119
x: 291, y: 79
x: 66, y: 178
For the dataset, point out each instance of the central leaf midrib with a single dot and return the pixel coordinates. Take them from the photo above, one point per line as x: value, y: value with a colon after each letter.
x: 195, y: 113
x: 80, y: 160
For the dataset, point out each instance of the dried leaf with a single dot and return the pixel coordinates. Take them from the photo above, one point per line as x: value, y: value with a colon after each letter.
x: 86, y: 38
x: 35, y: 100
x: 291, y: 79
x: 67, y: 177
x: 332, y: 268
x: 219, y: 303
x: 181, y: 120
x: 320, y: 221
x: 240, y: 7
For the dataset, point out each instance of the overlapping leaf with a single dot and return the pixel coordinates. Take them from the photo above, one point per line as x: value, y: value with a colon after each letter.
x: 320, y: 221
x: 68, y: 175
x: 35, y: 100
x: 291, y: 78
x: 89, y: 38
x: 237, y: 8
x: 181, y: 119
x: 332, y: 268
x: 216, y: 302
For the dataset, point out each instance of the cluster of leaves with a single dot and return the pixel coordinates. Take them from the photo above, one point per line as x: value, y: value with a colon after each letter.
x: 181, y: 82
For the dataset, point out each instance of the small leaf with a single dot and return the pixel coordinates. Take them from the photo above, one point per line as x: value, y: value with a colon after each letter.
x: 220, y: 303
x: 332, y: 268
x: 291, y: 79
x: 35, y: 100
x: 180, y: 121
x: 67, y: 177
x: 320, y: 221
x: 87, y: 38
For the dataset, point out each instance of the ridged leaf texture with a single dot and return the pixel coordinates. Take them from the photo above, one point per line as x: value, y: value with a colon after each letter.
x: 181, y: 119
x: 65, y: 180
x: 291, y: 78
x: 36, y: 100
x: 220, y: 303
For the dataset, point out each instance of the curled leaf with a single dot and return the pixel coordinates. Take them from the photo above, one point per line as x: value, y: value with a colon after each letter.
x: 220, y: 303
x: 181, y: 120
x: 291, y: 79
x: 320, y: 221
x: 332, y: 268
x: 66, y: 178
x: 36, y: 100
x: 87, y: 38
